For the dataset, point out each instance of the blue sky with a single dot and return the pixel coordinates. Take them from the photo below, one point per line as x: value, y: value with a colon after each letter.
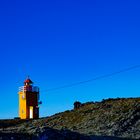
x: 67, y: 41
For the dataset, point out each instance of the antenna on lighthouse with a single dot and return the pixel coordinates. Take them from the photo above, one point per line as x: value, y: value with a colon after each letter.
x: 28, y: 76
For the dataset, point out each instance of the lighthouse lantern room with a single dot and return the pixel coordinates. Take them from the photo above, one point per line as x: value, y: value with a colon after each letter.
x: 28, y: 100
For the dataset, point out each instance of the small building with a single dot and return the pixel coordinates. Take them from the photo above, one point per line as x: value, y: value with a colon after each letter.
x: 77, y: 105
x: 28, y: 100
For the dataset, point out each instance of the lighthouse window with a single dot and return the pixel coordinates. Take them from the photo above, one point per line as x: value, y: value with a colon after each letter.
x: 23, y: 97
x: 22, y: 111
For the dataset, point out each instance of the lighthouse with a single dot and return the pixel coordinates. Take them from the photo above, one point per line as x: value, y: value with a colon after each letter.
x: 28, y: 100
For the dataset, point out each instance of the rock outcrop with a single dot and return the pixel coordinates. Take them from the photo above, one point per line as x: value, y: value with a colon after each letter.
x: 109, y: 119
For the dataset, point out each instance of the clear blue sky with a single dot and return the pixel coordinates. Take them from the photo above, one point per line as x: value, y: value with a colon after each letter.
x: 66, y: 41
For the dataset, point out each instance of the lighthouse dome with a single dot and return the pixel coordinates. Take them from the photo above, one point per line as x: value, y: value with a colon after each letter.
x: 28, y: 81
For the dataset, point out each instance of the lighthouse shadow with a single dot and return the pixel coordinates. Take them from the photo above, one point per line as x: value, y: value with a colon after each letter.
x: 54, y: 134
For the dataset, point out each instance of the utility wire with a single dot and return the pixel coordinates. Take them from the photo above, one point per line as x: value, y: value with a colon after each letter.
x: 94, y: 79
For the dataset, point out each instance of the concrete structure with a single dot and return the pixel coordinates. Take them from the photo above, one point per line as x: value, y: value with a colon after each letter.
x: 28, y: 100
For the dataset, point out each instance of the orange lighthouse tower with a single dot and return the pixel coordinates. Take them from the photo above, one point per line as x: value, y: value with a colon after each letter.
x: 28, y: 100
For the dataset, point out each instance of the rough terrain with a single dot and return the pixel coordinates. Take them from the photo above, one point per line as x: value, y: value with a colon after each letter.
x: 109, y: 119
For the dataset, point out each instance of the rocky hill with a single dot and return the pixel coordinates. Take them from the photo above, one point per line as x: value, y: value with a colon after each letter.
x: 106, y: 120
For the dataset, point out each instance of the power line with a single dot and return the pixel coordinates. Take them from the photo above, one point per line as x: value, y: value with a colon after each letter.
x: 94, y: 79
